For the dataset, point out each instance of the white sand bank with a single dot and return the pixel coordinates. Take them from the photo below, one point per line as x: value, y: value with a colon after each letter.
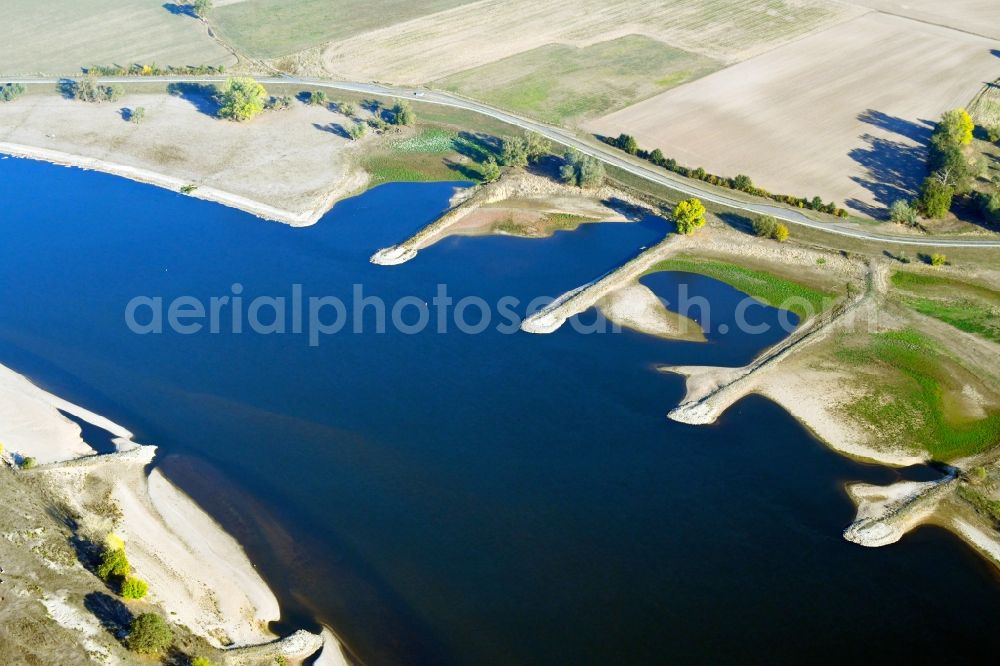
x: 635, y: 306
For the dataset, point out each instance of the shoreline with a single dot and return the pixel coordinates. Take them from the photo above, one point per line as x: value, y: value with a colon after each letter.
x: 198, y: 574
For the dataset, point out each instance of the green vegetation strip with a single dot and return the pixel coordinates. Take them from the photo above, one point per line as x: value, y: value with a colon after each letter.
x: 984, y: 506
x: 765, y: 287
x: 913, y: 407
x: 970, y: 308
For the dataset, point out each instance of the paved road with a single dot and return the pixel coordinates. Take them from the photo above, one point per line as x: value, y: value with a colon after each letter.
x: 606, y: 154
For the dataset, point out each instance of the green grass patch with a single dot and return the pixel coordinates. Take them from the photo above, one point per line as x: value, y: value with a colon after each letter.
x: 431, y: 140
x: 560, y: 84
x: 764, y: 287
x: 984, y: 506
x: 272, y: 28
x: 908, y: 406
x: 968, y: 307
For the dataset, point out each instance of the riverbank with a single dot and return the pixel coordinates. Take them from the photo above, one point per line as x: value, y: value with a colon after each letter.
x: 199, y: 577
x: 288, y: 166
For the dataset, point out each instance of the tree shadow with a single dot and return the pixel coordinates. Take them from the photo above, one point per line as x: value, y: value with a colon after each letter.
x: 546, y: 167
x: 919, y: 131
x: 203, y: 96
x: 738, y: 222
x: 67, y: 88
x: 464, y: 169
x: 893, y: 171
x: 478, y: 146
x: 629, y: 211
x: 333, y: 128
x: 113, y: 615
x: 180, y: 10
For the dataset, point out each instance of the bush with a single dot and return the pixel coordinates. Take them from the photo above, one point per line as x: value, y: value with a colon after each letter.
x: 114, y: 563
x: 10, y: 92
x: 402, y: 114
x: 781, y: 233
x: 689, y: 215
x: 242, y: 99
x: 318, y: 98
x: 149, y: 634
x: 902, y: 212
x: 993, y: 133
x: 764, y: 226
x: 28, y: 463
x: 202, y: 661
x: 490, y: 170
x: 938, y: 259
x: 581, y: 170
x: 279, y: 103
x: 134, y: 588
x: 137, y: 115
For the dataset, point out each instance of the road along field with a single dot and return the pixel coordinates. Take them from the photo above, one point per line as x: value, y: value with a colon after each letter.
x: 58, y: 37
x: 438, y: 45
x: 844, y: 113
x: 561, y: 84
x: 980, y: 17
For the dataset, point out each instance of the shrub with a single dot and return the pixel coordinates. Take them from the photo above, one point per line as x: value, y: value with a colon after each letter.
x: 318, y: 98
x: 134, y: 588
x: 938, y: 259
x: 903, y: 213
x: 279, y: 103
x: 689, y: 215
x: 764, y: 226
x: 993, y: 133
x: 149, y: 634
x: 201, y: 7
x: 357, y: 131
x: 781, y: 233
x: 627, y: 143
x: 114, y: 563
x: 202, y: 661
x: 10, y: 92
x: 402, y: 114
x: 137, y: 115
x: 977, y: 475
x: 242, y: 99
x: 581, y: 170
x: 347, y: 109
x: 28, y: 463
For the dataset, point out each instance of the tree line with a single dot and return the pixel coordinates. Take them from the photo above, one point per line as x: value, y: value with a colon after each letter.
x: 741, y: 182
x: 152, y: 69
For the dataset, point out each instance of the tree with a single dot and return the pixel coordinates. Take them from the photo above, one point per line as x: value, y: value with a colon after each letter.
x: 514, y: 152
x: 347, y: 109
x: 402, y: 114
x: 689, y: 216
x: 742, y: 183
x: 318, y: 98
x: 902, y: 212
x: 242, y: 99
x: 935, y: 198
x: 201, y: 7
x: 490, y: 170
x: 134, y: 588
x: 149, y: 634
x: 581, y: 170
x: 780, y: 233
x: 114, y: 563
x: 938, y: 259
x: 657, y: 157
x: 627, y: 143
x: 357, y: 131
x: 764, y: 226
x: 956, y: 125
x: 537, y: 146
x: 137, y: 115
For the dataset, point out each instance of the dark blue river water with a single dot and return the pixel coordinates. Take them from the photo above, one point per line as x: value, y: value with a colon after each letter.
x: 450, y: 498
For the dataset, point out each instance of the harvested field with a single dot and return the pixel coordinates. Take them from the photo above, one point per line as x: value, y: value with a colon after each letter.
x: 981, y: 17
x: 844, y: 113
x: 272, y: 28
x: 559, y: 84
x: 58, y: 37
x: 306, y: 166
x: 441, y: 44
